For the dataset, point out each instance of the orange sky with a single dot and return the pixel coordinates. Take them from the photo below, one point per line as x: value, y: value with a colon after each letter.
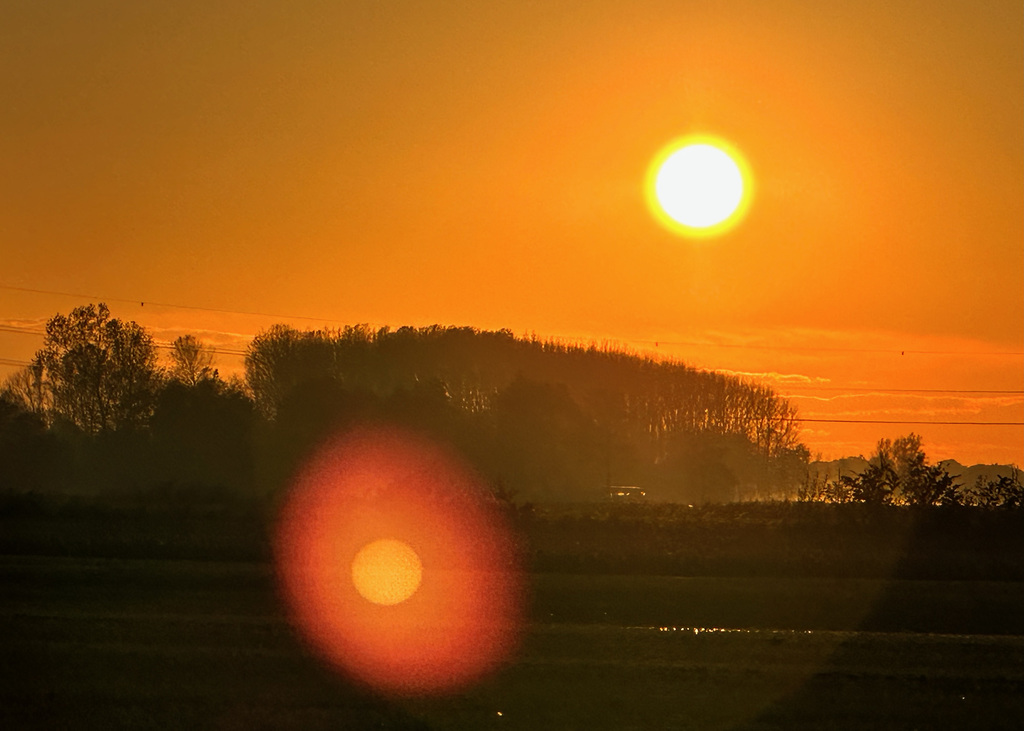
x: 482, y: 164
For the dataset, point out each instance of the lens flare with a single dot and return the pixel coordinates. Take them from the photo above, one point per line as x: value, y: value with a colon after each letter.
x: 397, y: 565
x: 386, y: 571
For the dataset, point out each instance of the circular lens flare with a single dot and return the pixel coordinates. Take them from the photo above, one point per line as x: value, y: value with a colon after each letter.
x: 387, y: 571
x: 397, y: 564
x: 698, y: 186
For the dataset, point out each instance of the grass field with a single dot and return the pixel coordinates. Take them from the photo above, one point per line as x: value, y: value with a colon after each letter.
x: 95, y: 643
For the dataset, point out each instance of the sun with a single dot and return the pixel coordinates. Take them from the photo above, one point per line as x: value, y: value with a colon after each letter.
x: 387, y: 571
x: 698, y: 186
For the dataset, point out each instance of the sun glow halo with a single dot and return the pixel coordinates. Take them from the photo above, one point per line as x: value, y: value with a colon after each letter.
x: 698, y: 186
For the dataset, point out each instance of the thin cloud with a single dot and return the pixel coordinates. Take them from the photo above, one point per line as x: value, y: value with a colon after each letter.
x: 234, y: 340
x: 820, y: 340
x: 20, y: 323
x: 782, y: 378
x: 908, y: 413
x: 978, y: 400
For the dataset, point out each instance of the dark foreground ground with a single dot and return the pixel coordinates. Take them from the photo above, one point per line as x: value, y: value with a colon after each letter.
x: 91, y: 643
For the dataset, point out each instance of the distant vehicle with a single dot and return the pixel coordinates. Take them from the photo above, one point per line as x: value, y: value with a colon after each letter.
x: 626, y: 492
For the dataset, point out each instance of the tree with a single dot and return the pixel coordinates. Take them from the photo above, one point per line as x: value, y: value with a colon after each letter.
x: 639, y: 408
x: 202, y: 436
x: 25, y: 388
x: 30, y: 456
x: 100, y: 373
x: 191, y: 361
x: 876, y: 484
x: 925, y: 484
x: 899, y: 473
x: 704, y: 468
x: 545, y: 445
x: 902, y: 454
x: 281, y: 358
x: 1005, y: 491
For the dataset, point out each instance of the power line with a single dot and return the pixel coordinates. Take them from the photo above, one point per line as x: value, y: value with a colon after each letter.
x: 12, y: 362
x: 656, y: 343
x: 910, y: 423
x: 143, y: 303
x: 825, y: 349
x: 157, y: 344
x: 852, y: 390
x: 787, y: 387
x: 206, y: 348
x: 20, y: 330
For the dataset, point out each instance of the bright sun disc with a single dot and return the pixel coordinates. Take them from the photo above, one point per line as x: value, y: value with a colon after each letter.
x: 387, y: 571
x: 698, y: 186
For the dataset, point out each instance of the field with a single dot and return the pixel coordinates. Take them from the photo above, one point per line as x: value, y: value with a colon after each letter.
x: 94, y: 643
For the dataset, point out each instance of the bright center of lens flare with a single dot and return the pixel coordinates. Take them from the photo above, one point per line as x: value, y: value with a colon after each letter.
x: 397, y: 564
x: 698, y: 186
x: 387, y: 572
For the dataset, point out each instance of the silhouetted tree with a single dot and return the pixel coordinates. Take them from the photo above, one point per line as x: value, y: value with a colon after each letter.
x: 926, y: 484
x: 317, y: 407
x: 545, y: 446
x: 31, y: 458
x: 703, y: 468
x: 282, y: 357
x: 426, y: 406
x: 191, y: 361
x: 916, y: 482
x: 26, y: 389
x: 636, y: 407
x: 202, y: 436
x: 900, y: 454
x: 786, y: 469
x: 821, y: 489
x: 898, y: 473
x: 99, y: 373
x: 876, y: 484
x: 1005, y: 491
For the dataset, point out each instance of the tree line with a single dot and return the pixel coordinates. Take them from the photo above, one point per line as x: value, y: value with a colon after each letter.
x: 899, y: 473
x: 541, y: 420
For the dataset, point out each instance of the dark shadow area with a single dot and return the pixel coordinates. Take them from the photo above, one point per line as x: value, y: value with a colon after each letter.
x: 909, y: 681
x: 99, y: 644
